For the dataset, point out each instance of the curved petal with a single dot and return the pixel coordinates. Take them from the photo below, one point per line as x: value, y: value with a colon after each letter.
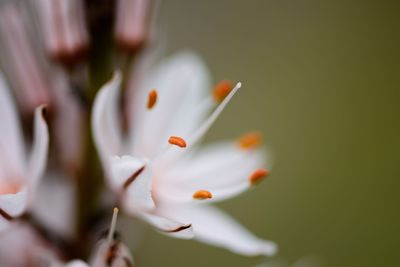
x: 105, y: 121
x: 14, y: 204
x: 170, y: 227
x: 222, y: 169
x: 50, y: 208
x: 38, y: 155
x: 23, y: 239
x: 132, y: 177
x: 11, y: 206
x: 11, y: 141
x: 77, y: 263
x: 212, y: 226
x: 182, y: 83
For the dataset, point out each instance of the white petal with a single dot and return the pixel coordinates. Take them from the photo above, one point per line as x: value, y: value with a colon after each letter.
x: 77, y: 263
x: 4, y: 223
x: 11, y: 141
x: 38, y: 155
x: 212, y: 226
x: 173, y: 228
x: 223, y: 169
x: 14, y: 204
x: 105, y: 121
x: 20, y: 246
x: 182, y: 83
x: 132, y: 176
x: 50, y: 207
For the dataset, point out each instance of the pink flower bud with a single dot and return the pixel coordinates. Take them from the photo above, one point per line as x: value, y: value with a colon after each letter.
x: 132, y: 23
x: 63, y: 27
x: 20, y: 59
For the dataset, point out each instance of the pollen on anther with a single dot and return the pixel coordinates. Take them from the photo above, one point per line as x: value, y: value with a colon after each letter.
x: 258, y: 175
x: 221, y: 90
x: 202, y: 194
x: 177, y: 141
x: 250, y: 140
x: 152, y: 99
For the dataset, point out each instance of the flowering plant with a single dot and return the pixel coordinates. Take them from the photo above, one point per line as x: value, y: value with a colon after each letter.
x: 146, y: 124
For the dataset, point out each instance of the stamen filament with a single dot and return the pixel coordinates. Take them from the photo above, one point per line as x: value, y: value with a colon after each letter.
x: 213, y: 117
x: 113, y: 225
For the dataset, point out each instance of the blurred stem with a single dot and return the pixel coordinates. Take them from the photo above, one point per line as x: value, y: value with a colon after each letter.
x: 90, y: 178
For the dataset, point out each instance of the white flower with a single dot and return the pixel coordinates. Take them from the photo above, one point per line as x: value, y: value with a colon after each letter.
x: 109, y: 252
x: 21, y: 245
x: 160, y: 172
x: 20, y: 170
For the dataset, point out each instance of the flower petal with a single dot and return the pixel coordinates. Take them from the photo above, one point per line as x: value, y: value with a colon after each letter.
x: 14, y: 204
x: 77, y: 263
x: 132, y: 177
x: 38, y: 155
x: 182, y: 83
x: 212, y: 226
x: 173, y: 228
x: 222, y: 169
x: 11, y: 206
x: 50, y: 208
x: 105, y: 121
x: 11, y: 141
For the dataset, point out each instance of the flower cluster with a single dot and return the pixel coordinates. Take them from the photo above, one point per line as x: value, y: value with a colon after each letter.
x: 146, y: 124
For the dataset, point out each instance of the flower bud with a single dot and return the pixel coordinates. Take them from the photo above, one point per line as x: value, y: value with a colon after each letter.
x: 63, y: 27
x: 20, y: 60
x: 132, y: 23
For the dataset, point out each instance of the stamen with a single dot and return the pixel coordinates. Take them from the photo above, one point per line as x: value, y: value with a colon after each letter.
x: 250, y: 140
x: 258, y: 176
x: 177, y: 141
x: 113, y: 225
x: 202, y: 194
x: 213, y: 117
x: 152, y: 99
x: 221, y: 90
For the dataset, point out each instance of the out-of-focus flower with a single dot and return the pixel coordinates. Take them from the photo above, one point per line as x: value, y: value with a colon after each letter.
x: 110, y: 252
x: 20, y: 169
x: 20, y: 245
x: 62, y: 24
x: 132, y: 23
x: 19, y: 57
x: 74, y: 263
x: 159, y: 172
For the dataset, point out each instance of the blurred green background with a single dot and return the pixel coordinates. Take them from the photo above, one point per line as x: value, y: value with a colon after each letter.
x: 322, y: 82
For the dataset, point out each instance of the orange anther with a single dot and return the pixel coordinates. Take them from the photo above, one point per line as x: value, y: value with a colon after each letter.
x: 202, y: 194
x: 152, y: 99
x: 250, y: 140
x: 258, y: 175
x: 177, y: 141
x: 221, y: 90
